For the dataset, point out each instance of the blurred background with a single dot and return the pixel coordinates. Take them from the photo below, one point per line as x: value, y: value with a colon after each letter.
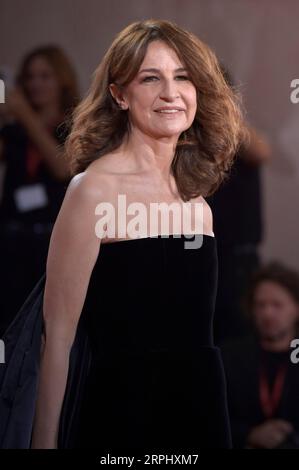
x: 49, y: 51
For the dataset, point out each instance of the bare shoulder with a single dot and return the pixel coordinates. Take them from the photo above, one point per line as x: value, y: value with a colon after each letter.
x: 89, y: 188
x: 112, y: 163
x: 77, y: 215
x: 88, y: 185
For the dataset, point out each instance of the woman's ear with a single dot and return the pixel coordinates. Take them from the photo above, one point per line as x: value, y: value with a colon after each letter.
x: 117, y: 96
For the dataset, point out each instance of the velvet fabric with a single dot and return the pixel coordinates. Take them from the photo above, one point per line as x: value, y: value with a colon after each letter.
x: 144, y: 372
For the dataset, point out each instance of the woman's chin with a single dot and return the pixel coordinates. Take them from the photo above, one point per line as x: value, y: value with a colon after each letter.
x: 169, y: 131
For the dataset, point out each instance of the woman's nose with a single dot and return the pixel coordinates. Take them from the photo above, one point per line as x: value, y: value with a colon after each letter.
x: 169, y: 91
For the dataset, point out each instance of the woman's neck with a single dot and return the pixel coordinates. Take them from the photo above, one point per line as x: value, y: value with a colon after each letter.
x: 150, y: 153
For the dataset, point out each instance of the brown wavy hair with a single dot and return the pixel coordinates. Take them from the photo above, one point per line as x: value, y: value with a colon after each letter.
x: 205, y: 151
x: 64, y: 71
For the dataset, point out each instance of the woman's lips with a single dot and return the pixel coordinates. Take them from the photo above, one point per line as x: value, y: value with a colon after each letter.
x: 169, y: 113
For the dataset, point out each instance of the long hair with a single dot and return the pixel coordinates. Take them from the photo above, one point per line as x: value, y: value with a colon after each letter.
x: 204, y: 152
x: 64, y: 71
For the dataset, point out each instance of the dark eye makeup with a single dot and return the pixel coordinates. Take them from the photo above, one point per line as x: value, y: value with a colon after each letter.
x: 151, y: 78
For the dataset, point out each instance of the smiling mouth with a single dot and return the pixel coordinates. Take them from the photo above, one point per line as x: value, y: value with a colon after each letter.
x: 169, y: 111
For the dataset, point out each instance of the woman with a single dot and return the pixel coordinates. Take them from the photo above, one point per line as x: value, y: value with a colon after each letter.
x: 158, y: 125
x: 36, y: 172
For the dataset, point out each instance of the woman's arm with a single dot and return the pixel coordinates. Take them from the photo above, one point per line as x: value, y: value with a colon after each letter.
x: 46, y: 144
x: 73, y: 250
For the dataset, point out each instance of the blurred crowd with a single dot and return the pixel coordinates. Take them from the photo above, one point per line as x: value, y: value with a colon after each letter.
x: 33, y: 130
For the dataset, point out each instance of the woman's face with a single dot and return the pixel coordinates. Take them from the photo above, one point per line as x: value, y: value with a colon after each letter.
x: 161, y: 99
x: 41, y: 84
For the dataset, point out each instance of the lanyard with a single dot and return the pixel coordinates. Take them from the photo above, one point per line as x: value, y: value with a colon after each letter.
x: 269, y: 400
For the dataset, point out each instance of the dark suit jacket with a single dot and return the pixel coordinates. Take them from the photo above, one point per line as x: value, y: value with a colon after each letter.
x: 241, y: 363
x: 19, y: 376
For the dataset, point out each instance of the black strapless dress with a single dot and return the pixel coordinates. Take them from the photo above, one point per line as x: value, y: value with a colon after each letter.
x: 156, y: 379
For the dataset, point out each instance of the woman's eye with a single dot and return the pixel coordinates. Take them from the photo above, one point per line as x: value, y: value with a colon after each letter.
x: 150, y: 78
x: 154, y: 78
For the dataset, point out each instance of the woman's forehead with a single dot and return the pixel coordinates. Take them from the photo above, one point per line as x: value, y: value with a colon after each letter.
x: 158, y: 53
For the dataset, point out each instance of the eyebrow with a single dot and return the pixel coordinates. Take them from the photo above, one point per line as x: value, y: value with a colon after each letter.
x: 180, y: 69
